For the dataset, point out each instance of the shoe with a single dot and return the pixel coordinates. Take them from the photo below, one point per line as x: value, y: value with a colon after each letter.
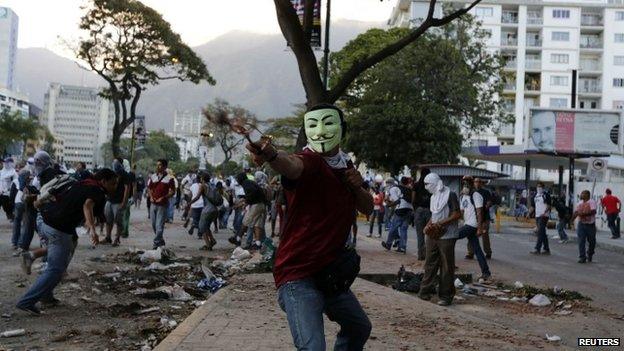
x: 385, y: 246
x: 615, y: 237
x: 204, y: 248
x: 564, y: 241
x: 18, y: 252
x: 399, y: 250
x: 190, y: 232
x: 582, y: 260
x: 378, y: 236
x: 395, y: 243
x: 425, y: 297
x: 186, y: 222
x: 27, y: 262
x: 234, y: 240
x: 546, y: 252
x: 33, y: 310
x: 469, y: 257
x: 589, y: 258
x: 485, y: 276
x: 535, y: 252
x: 488, y: 256
x: 445, y: 302
x: 369, y: 235
x: 106, y: 240
x: 53, y: 302
x: 116, y: 242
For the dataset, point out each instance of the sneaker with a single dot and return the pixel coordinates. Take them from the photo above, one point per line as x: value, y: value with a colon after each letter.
x: 546, y: 252
x: 234, y: 240
x: 589, y: 258
x: 535, y: 252
x: 488, y: 256
x: 18, y: 252
x: 400, y: 250
x: 469, y: 257
x: 444, y: 302
x: 52, y: 302
x: 106, y: 240
x: 582, y: 260
x: 385, y: 246
x: 485, y: 277
x: 395, y: 243
x: 369, y: 235
x: 32, y: 310
x: 378, y: 236
x: 27, y: 262
x: 190, y: 232
x: 425, y: 297
x: 615, y: 237
x: 564, y: 241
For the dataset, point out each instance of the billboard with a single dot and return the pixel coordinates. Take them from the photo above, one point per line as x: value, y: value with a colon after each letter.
x: 567, y: 131
x: 315, y: 36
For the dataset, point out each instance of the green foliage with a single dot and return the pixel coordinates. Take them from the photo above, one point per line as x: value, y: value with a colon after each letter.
x: 228, y: 168
x: 157, y: 145
x: 415, y: 106
x: 286, y: 130
x: 16, y: 128
x: 219, y: 134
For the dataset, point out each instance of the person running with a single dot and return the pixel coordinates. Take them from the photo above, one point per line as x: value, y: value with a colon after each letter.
x: 323, y: 190
x: 140, y: 189
x: 563, y: 216
x: 421, y: 201
x: 378, y: 211
x: 116, y: 204
x: 212, y: 200
x: 540, y: 205
x: 195, y: 204
x: 472, y: 208
x: 161, y: 188
x: 79, y: 203
x: 186, y: 183
x: 485, y: 227
x: 255, y: 217
x: 612, y: 206
x: 586, y: 229
x: 401, y: 201
x: 442, y: 233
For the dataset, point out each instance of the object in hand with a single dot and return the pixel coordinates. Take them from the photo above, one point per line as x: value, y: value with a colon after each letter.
x: 434, y: 231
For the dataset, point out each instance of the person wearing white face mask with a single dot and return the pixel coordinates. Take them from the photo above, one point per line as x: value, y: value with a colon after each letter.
x: 540, y: 204
x: 7, y: 176
x: 442, y: 232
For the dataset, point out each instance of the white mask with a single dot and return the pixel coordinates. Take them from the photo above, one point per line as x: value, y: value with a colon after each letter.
x: 430, y: 187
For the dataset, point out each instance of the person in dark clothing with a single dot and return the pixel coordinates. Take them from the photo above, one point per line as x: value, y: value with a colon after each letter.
x: 420, y: 200
x: 81, y: 171
x: 79, y: 203
x: 485, y: 228
x: 563, y: 215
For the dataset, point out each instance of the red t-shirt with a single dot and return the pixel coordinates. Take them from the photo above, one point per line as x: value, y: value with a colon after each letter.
x: 159, y: 185
x: 610, y: 204
x: 321, y: 210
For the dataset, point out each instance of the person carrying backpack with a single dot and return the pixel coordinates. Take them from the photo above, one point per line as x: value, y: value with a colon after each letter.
x: 401, y: 200
x: 212, y: 200
x: 472, y: 206
x: 255, y: 217
x: 485, y: 224
x: 77, y: 204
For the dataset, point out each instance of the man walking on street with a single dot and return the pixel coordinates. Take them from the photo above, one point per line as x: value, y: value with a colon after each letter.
x: 421, y: 201
x: 161, y: 188
x: 401, y: 200
x: 442, y: 233
x: 313, y: 271
x: 612, y: 206
x: 563, y: 214
x: 472, y: 208
x: 485, y: 228
x: 540, y: 205
x: 586, y: 229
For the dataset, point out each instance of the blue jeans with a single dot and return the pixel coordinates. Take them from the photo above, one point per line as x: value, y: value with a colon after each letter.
x: 28, y: 228
x: 60, y: 246
x: 18, y: 213
x: 611, y: 220
x: 470, y: 233
x: 238, y: 220
x: 561, y: 224
x: 398, y: 229
x: 586, y: 232
x: 196, y: 215
x: 542, y: 238
x: 304, y: 305
x: 158, y: 215
x: 225, y: 217
x: 170, y: 210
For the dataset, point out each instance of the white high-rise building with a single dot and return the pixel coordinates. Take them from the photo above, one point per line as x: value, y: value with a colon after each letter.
x: 12, y: 102
x: 543, y: 42
x: 8, y: 46
x: 187, y: 125
x: 82, y: 118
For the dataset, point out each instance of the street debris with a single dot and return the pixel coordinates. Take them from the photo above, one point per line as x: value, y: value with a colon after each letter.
x: 213, y: 284
x: 458, y: 283
x: 13, y: 333
x: 518, y: 285
x: 240, y: 254
x: 69, y: 334
x: 553, y: 338
x: 540, y: 300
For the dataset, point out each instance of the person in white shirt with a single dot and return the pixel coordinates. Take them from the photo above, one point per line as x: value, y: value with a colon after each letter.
x: 7, y: 176
x: 197, y: 189
x: 540, y: 205
x: 471, y: 206
x: 401, y: 200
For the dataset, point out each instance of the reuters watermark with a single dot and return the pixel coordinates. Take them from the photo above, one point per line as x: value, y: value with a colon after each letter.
x: 598, y: 342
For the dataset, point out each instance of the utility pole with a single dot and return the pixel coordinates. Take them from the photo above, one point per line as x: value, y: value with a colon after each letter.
x: 326, y: 50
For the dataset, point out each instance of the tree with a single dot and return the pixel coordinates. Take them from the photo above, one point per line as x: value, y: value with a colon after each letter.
x: 15, y: 128
x: 416, y: 106
x: 221, y: 134
x: 157, y: 145
x: 228, y: 168
x: 132, y: 47
x: 297, y: 35
x: 285, y: 131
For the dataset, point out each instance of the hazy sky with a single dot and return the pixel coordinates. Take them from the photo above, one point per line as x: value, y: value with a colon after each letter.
x: 42, y: 22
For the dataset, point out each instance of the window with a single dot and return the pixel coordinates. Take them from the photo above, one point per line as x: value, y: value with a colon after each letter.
x: 559, y: 58
x: 558, y: 80
x: 484, y: 11
x: 619, y: 15
x: 618, y: 82
x: 559, y: 102
x: 561, y: 36
x: 619, y: 37
x: 618, y: 60
x: 618, y: 104
x: 561, y: 13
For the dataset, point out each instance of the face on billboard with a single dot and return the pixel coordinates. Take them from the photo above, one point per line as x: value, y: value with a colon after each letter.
x: 542, y: 130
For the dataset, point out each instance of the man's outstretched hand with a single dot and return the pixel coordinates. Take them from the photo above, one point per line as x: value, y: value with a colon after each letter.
x: 262, y: 151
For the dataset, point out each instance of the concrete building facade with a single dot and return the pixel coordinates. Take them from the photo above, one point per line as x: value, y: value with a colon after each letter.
x: 81, y: 118
x: 9, y: 23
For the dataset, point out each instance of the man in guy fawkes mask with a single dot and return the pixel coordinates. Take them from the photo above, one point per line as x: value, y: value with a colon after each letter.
x: 323, y: 191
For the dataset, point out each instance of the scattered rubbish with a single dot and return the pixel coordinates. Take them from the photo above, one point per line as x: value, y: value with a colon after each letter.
x: 96, y: 291
x: 492, y: 293
x: 20, y: 285
x: 518, y: 299
x: 518, y: 285
x: 213, y: 284
x: 563, y: 313
x: 7, y: 315
x: 567, y: 306
x: 66, y: 335
x: 198, y: 303
x: 553, y: 338
x: 113, y: 275
x: 175, y: 293
x: 540, y: 300
x: 407, y: 281
x: 557, y: 290
x: 238, y: 290
x: 240, y: 254
x: 468, y: 290
x: 458, y: 283
x: 176, y: 307
x: 157, y: 266
x: 124, y: 309
x: 148, y: 310
x: 86, y: 299
x: 560, y: 303
x: 90, y: 273
x: 157, y: 255
x: 168, y: 323
x: 502, y: 298
x: 74, y: 286
x: 12, y: 333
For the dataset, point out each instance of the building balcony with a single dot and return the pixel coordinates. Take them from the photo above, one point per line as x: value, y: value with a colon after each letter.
x: 506, y: 130
x: 509, y: 17
x: 510, y: 86
x: 590, y: 42
x: 511, y: 64
x: 509, y: 42
x: 590, y: 86
x: 590, y: 65
x: 533, y: 64
x: 591, y: 20
x: 534, y: 42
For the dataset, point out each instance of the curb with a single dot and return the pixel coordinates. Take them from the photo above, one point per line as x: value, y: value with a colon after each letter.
x: 601, y: 244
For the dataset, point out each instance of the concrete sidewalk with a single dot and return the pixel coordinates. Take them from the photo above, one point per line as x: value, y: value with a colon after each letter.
x: 245, y: 316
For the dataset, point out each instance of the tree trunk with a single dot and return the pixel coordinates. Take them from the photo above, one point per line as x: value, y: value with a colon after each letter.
x: 115, y: 143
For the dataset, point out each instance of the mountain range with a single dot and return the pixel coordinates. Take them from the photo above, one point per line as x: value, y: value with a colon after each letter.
x: 256, y: 71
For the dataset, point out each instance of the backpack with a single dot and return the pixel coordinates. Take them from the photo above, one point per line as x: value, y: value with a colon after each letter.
x: 406, y: 193
x: 214, y: 197
x: 55, y: 187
